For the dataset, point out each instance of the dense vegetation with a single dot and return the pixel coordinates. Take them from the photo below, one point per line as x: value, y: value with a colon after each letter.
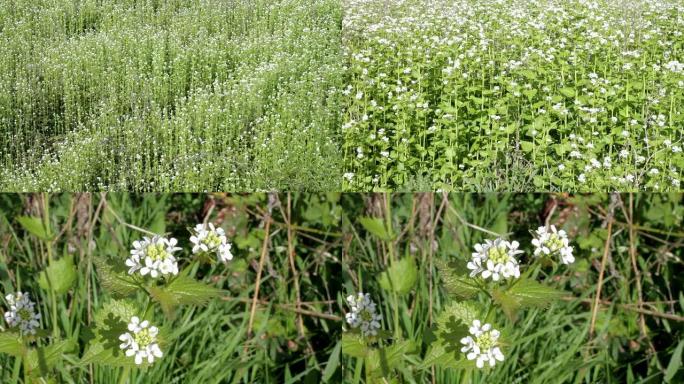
x: 514, y: 95
x: 169, y: 95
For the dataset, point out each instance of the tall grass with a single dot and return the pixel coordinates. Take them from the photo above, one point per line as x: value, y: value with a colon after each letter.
x: 552, y: 345
x: 169, y: 95
x: 291, y: 336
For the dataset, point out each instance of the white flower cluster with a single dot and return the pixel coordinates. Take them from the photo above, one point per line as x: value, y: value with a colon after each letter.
x: 550, y: 242
x: 153, y: 256
x: 363, y: 314
x: 482, y: 345
x: 495, y: 259
x: 141, y: 341
x: 22, y: 313
x: 207, y: 238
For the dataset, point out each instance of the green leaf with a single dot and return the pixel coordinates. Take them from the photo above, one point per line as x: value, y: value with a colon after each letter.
x: 381, y: 360
x: 400, y: 277
x: 456, y: 284
x: 117, y: 283
x: 181, y: 291
x: 527, y: 146
x: 41, y: 360
x: 353, y: 345
x: 10, y: 343
x: 376, y: 227
x: 111, y: 321
x: 438, y: 356
x: 509, y: 303
x: 332, y: 364
x: 675, y: 363
x: 567, y: 92
x: 531, y: 293
x: 59, y: 276
x: 34, y: 226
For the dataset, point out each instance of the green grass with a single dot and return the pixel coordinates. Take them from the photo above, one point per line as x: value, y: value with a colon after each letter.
x: 290, y: 343
x: 542, y: 345
x: 513, y: 95
x: 169, y: 95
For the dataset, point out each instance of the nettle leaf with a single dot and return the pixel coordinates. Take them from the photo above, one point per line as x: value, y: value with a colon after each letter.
x: 111, y: 321
x: 567, y: 92
x: 353, y: 345
x: 34, y: 226
x: 376, y: 227
x: 10, y: 343
x: 400, y: 277
x: 532, y: 293
x: 59, y: 276
x: 456, y: 282
x: 183, y: 290
x: 118, y: 283
x: 509, y: 303
x: 380, y: 361
x: 439, y: 356
x: 42, y: 360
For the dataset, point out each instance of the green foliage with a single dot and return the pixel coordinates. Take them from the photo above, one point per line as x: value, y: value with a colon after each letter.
x: 10, y: 343
x: 59, y: 276
x: 34, y: 226
x: 376, y: 226
x: 454, y: 281
x: 114, y: 280
x: 183, y: 290
x: 400, y: 277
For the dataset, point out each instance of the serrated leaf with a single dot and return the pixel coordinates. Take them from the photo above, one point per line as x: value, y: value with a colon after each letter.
x: 183, y: 290
x: 376, y: 227
x: 59, y: 276
x: 41, y: 360
x: 385, y: 359
x: 509, y: 303
x: 34, y: 226
x: 116, y: 283
x: 438, y: 356
x: 353, y: 345
x: 456, y: 284
x: 11, y: 344
x: 531, y: 293
x: 400, y: 277
x: 111, y: 321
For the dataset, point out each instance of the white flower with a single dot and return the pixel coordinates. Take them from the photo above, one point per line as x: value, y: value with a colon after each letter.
x: 363, y: 314
x: 207, y: 238
x: 482, y: 345
x: 349, y: 176
x: 495, y: 259
x: 154, y: 257
x: 22, y: 313
x: 141, y: 341
x: 549, y: 241
x: 582, y: 178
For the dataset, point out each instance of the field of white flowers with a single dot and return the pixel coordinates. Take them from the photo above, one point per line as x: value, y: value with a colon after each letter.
x: 170, y: 95
x: 514, y: 94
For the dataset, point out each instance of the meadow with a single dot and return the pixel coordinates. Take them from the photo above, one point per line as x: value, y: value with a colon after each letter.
x: 239, y: 95
x: 513, y: 95
x: 263, y: 312
x: 610, y: 313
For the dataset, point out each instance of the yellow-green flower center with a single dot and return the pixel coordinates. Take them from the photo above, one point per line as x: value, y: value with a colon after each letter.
x: 212, y: 240
x: 25, y: 314
x: 156, y: 252
x: 486, y: 341
x: 366, y: 315
x: 143, y: 338
x: 555, y: 243
x: 499, y: 255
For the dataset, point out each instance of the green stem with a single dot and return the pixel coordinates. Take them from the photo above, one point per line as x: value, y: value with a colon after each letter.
x: 390, y: 249
x: 48, y: 246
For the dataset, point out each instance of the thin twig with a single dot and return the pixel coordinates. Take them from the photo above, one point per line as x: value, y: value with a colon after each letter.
x: 264, y: 250
x: 606, y: 250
